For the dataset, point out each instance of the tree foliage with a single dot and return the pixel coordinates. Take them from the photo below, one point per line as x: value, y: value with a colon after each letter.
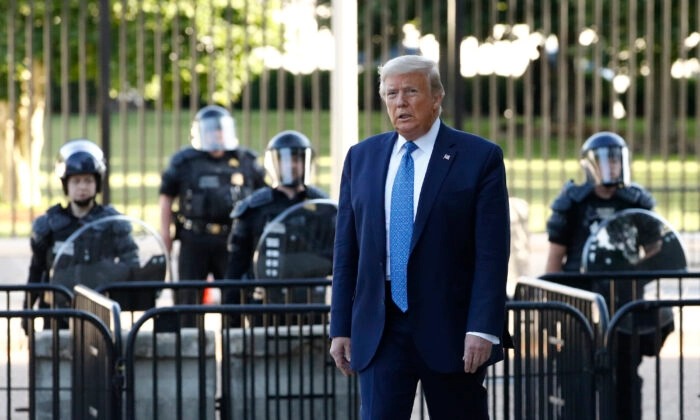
x: 159, y: 51
x: 204, y: 46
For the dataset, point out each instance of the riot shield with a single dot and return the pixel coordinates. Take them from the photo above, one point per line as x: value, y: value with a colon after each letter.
x: 633, y: 240
x: 297, y: 244
x: 113, y: 249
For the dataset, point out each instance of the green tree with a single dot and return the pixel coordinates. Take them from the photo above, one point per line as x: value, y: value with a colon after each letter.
x: 198, y: 50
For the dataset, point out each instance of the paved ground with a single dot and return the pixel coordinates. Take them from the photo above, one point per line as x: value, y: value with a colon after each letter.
x: 14, y: 260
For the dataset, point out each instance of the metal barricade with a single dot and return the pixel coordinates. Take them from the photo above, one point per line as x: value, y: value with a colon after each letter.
x: 233, y: 366
x: 107, y: 310
x: 567, y: 354
x: 308, y: 289
x: 19, y: 296
x: 280, y: 370
x: 674, y: 364
x: 591, y: 305
x: 643, y: 351
x: 40, y: 376
x: 93, y: 364
x: 551, y: 372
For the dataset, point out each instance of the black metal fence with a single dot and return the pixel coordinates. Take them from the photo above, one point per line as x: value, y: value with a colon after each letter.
x: 535, y: 77
x: 552, y: 369
x: 279, y: 370
x: 272, y: 361
x: 52, y: 373
x: 649, y: 344
x: 559, y: 331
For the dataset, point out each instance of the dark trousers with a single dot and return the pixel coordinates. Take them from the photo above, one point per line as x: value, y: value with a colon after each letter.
x: 201, y: 254
x: 628, y: 383
x: 388, y: 385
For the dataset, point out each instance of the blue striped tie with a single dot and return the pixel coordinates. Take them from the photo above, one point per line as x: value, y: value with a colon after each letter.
x: 401, y: 226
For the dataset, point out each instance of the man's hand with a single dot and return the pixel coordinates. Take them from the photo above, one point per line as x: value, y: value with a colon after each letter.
x: 477, y: 351
x: 340, y: 351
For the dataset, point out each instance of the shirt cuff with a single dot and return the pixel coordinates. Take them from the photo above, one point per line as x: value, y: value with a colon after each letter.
x: 492, y: 338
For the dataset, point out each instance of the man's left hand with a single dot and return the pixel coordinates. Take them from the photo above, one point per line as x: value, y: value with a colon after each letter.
x: 477, y: 351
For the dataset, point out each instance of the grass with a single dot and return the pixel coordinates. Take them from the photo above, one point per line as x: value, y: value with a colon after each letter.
x: 135, y: 165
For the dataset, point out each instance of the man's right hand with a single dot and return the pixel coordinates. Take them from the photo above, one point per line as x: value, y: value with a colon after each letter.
x: 340, y: 351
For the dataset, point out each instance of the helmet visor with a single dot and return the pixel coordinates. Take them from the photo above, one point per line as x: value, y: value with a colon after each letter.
x: 214, y: 134
x: 288, y: 166
x: 608, y: 166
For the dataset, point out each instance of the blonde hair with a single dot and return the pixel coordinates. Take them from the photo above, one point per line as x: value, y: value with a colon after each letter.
x: 411, y: 64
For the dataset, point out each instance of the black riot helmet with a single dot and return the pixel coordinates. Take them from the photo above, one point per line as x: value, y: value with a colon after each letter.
x: 288, y: 159
x: 213, y: 129
x: 605, y: 159
x: 80, y: 156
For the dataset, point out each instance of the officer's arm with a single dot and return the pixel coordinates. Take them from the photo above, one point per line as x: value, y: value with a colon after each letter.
x: 166, y: 215
x: 38, y: 266
x: 40, y: 242
x: 558, y: 226
x: 555, y: 258
x: 240, y: 249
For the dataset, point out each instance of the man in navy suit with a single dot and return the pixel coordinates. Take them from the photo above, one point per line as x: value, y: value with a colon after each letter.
x: 451, y: 326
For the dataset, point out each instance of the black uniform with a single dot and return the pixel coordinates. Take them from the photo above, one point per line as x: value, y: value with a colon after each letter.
x: 207, y: 189
x: 576, y: 214
x: 249, y: 220
x: 577, y: 211
x: 108, y: 255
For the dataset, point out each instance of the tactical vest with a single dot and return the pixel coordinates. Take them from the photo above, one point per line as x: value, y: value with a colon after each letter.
x: 212, y: 188
x: 61, y: 225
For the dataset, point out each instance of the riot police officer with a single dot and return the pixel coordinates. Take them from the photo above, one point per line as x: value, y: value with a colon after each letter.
x: 81, y: 168
x: 288, y: 160
x: 208, y: 179
x: 578, y: 209
x: 577, y: 213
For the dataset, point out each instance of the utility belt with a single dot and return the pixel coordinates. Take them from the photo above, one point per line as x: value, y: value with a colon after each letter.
x: 200, y: 226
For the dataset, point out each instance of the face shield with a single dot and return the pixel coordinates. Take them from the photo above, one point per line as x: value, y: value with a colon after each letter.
x: 289, y: 166
x: 214, y: 133
x: 608, y: 166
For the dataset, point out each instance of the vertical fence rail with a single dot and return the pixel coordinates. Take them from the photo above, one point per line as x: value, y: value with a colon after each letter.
x: 132, y: 77
x: 560, y: 367
x: 43, y: 374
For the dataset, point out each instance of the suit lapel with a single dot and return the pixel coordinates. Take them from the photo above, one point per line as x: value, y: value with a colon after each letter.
x: 377, y: 183
x: 444, y: 153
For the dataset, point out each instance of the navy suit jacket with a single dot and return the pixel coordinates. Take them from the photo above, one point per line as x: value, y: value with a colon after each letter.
x: 458, y: 261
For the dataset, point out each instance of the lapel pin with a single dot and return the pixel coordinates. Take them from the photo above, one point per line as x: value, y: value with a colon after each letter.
x: 446, y: 157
